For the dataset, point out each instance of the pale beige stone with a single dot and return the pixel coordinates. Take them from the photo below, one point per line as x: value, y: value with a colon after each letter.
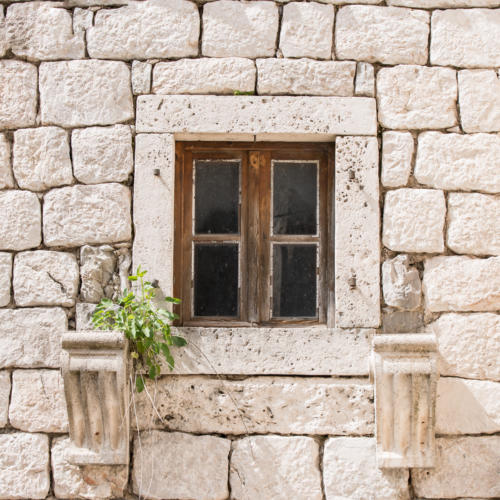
x: 305, y: 77
x: 397, y: 154
x: 239, y: 29
x: 341, y: 2
x: 418, y: 97
x: 82, y: 19
x: 5, y: 277
x: 6, y: 179
x: 40, y: 158
x: 307, y: 30
x: 141, y: 30
x: 414, y: 220
x: 4, y: 45
x: 83, y: 315
x: 141, y: 77
x: 402, y: 321
x: 4, y: 397
x: 444, y: 4
x: 79, y: 215
x: 364, y: 84
x: 177, y: 465
x: 275, y: 468
x: 401, y: 283
x: 468, y: 38
x: 81, y: 93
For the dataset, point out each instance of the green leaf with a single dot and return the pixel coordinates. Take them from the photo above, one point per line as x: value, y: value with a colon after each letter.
x: 173, y: 300
x: 139, y: 383
x: 152, y: 372
x: 178, y: 341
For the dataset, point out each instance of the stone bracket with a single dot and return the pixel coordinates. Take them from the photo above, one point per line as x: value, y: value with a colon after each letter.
x: 95, y: 372
x: 405, y: 376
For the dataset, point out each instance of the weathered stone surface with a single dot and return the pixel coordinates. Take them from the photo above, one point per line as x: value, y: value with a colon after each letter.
x: 78, y: 215
x: 364, y: 84
x: 5, y: 277
x: 281, y: 405
x: 306, y: 30
x: 275, y: 467
x: 141, y: 30
x: 4, y: 397
x: 18, y: 94
x: 6, y: 179
x: 177, y: 465
x: 468, y: 38
x: 83, y: 315
x: 414, y: 220
x: 462, y: 284
x: 43, y: 31
x: 102, y: 154
x: 418, y: 97
x: 397, y: 153
x: 305, y: 77
x: 402, y: 321
x: 141, y: 77
x: 24, y: 465
x: 453, y: 4
x: 389, y: 35
x: 241, y: 29
x: 21, y: 220
x: 37, y: 403
x: 88, y: 481
x: 4, y: 45
x: 82, y: 19
x: 350, y: 471
x: 204, y: 76
x: 401, y: 283
x: 97, y: 271
x: 458, y: 161
x: 479, y: 99
x: 81, y: 93
x: 41, y: 158
x: 45, y: 278
x: 465, y: 466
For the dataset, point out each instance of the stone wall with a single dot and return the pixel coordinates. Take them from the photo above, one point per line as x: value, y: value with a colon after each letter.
x: 268, y: 413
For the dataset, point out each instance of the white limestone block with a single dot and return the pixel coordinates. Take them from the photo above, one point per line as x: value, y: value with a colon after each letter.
x: 6, y: 179
x: 397, y: 154
x: 177, y: 465
x: 5, y: 277
x: 305, y: 77
x: 275, y: 467
x: 83, y: 316
x: 97, y: 268
x: 401, y: 283
x: 204, y: 76
x: 21, y: 220
x: 455, y: 283
x: 414, y: 220
x: 40, y: 158
x: 43, y: 31
x: 364, y: 84
x: 81, y: 93
x: 4, y: 397
x: 418, y: 97
x: 78, y: 215
x: 82, y: 19
x: 142, y: 30
x: 24, y: 465
x: 444, y: 4
x: 4, y: 45
x: 102, y: 154
x: 350, y: 471
x: 307, y: 30
x: 239, y: 29
x: 468, y: 38
x: 389, y: 35
x: 141, y: 77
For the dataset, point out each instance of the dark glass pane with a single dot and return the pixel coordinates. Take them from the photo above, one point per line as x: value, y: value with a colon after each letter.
x: 294, y: 281
x: 216, y: 280
x: 294, y: 198
x: 217, y: 187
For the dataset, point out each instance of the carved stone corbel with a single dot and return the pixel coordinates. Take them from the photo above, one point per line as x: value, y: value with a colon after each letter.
x: 404, y: 369
x: 95, y: 372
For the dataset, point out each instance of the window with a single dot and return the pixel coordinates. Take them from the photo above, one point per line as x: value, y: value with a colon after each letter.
x: 253, y: 233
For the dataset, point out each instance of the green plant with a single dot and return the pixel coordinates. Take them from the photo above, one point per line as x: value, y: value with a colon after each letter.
x: 147, y: 327
x: 241, y: 92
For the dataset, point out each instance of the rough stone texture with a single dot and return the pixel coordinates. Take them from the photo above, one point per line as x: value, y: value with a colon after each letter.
x: 4, y: 397
x: 457, y: 473
x: 78, y: 215
x: 467, y: 406
x: 6, y: 179
x: 397, y: 153
x: 305, y: 77
x: 459, y: 162
x: 429, y: 4
x: 389, y: 35
x: 5, y: 277
x: 43, y: 31
x: 141, y: 77
x: 41, y: 158
x: 37, y: 403
x: 307, y: 30
x: 81, y: 93
x: 418, y: 97
x: 102, y: 154
x: 3, y: 34
x: 45, y: 278
x: 141, y: 30
x: 18, y: 94
x: 82, y: 19
x: 21, y: 220
x: 204, y: 76
x: 88, y: 481
x: 350, y: 471
x: 466, y: 38
x: 401, y: 283
x: 24, y: 465
x: 176, y: 465
x: 402, y: 321
x: 251, y: 27
x: 83, y: 315
x: 97, y: 272
x: 275, y: 467
x: 479, y: 99
x: 364, y: 84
